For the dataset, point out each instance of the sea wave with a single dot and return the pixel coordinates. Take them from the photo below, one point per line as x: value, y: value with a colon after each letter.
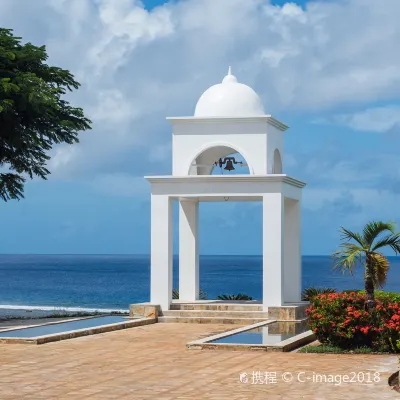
x: 59, y: 308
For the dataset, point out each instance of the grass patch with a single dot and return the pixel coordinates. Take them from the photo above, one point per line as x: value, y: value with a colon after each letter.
x: 326, y: 349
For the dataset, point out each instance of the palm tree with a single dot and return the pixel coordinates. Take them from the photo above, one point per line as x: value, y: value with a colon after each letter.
x: 202, y: 294
x: 365, y: 248
x: 239, y: 296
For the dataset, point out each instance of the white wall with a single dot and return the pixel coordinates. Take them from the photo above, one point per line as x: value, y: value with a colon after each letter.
x: 275, y: 141
x: 254, y: 138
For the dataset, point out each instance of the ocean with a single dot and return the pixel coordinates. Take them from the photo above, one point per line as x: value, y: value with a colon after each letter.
x: 112, y: 282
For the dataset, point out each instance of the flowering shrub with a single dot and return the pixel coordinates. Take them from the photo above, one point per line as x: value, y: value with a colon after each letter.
x: 380, y: 295
x: 340, y: 319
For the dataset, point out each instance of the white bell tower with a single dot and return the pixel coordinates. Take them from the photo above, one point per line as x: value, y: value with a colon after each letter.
x: 229, y: 118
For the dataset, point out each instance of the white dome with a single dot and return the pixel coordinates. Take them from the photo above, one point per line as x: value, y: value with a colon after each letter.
x: 229, y: 99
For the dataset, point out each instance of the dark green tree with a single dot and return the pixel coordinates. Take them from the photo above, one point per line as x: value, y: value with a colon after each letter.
x: 33, y: 115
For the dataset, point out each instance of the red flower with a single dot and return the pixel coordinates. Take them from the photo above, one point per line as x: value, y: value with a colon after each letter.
x: 365, y: 330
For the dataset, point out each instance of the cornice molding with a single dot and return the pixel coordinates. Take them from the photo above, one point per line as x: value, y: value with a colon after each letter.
x: 224, y: 178
x: 224, y: 120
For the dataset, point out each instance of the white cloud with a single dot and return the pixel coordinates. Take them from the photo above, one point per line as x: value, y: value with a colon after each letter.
x: 112, y: 107
x: 378, y: 119
x: 352, y: 206
x: 63, y: 156
x: 138, y: 66
x: 124, y: 26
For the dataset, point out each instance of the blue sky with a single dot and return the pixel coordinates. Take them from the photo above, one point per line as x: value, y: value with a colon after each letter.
x: 328, y: 69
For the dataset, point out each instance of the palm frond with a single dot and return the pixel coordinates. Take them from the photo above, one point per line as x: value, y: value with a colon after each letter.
x: 238, y: 296
x: 392, y: 240
x: 175, y: 294
x: 347, y: 256
x: 202, y: 294
x: 380, y: 268
x: 374, y: 228
x: 348, y: 235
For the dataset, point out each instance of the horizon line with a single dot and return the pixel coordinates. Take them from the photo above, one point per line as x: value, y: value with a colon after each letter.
x: 141, y: 254
x: 148, y: 254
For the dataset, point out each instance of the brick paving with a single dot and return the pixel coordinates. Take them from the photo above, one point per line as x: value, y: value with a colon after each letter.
x: 152, y: 362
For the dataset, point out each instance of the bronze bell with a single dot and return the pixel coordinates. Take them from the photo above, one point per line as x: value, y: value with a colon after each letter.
x: 229, y: 165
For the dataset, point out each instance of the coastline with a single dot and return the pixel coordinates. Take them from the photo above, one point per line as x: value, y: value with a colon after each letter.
x: 38, y: 286
x: 29, y: 312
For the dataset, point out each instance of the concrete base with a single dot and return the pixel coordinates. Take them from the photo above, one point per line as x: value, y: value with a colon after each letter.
x: 290, y: 344
x: 144, y: 310
x: 220, y: 312
x: 295, y: 312
x: 76, y: 333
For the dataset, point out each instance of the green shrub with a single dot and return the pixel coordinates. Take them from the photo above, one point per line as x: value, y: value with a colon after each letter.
x: 309, y: 293
x: 379, y: 295
x: 334, y: 349
x: 387, y: 296
x: 238, y: 296
x: 353, y: 290
x: 340, y: 319
x: 202, y: 294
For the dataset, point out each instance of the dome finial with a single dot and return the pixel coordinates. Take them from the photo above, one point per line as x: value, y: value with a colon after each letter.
x: 229, y: 78
x: 229, y: 99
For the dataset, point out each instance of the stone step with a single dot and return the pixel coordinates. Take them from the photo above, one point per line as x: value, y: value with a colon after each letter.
x: 215, y: 313
x: 216, y: 307
x: 212, y: 320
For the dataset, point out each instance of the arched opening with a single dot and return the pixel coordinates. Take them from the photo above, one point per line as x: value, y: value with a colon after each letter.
x: 277, y: 168
x: 207, y: 162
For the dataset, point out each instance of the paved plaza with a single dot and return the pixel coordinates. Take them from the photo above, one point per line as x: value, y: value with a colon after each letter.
x: 152, y: 362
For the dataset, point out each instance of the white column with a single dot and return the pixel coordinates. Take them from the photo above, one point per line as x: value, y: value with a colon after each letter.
x: 292, y: 252
x: 161, y: 251
x: 188, y: 250
x: 273, y: 229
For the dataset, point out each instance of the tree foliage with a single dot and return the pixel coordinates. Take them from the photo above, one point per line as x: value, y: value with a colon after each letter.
x: 33, y: 114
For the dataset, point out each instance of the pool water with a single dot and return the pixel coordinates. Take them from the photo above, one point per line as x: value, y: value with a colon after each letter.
x: 269, y: 334
x: 61, y: 327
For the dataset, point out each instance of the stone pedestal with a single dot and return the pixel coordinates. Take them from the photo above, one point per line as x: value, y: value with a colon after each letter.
x: 295, y: 312
x: 144, y: 310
